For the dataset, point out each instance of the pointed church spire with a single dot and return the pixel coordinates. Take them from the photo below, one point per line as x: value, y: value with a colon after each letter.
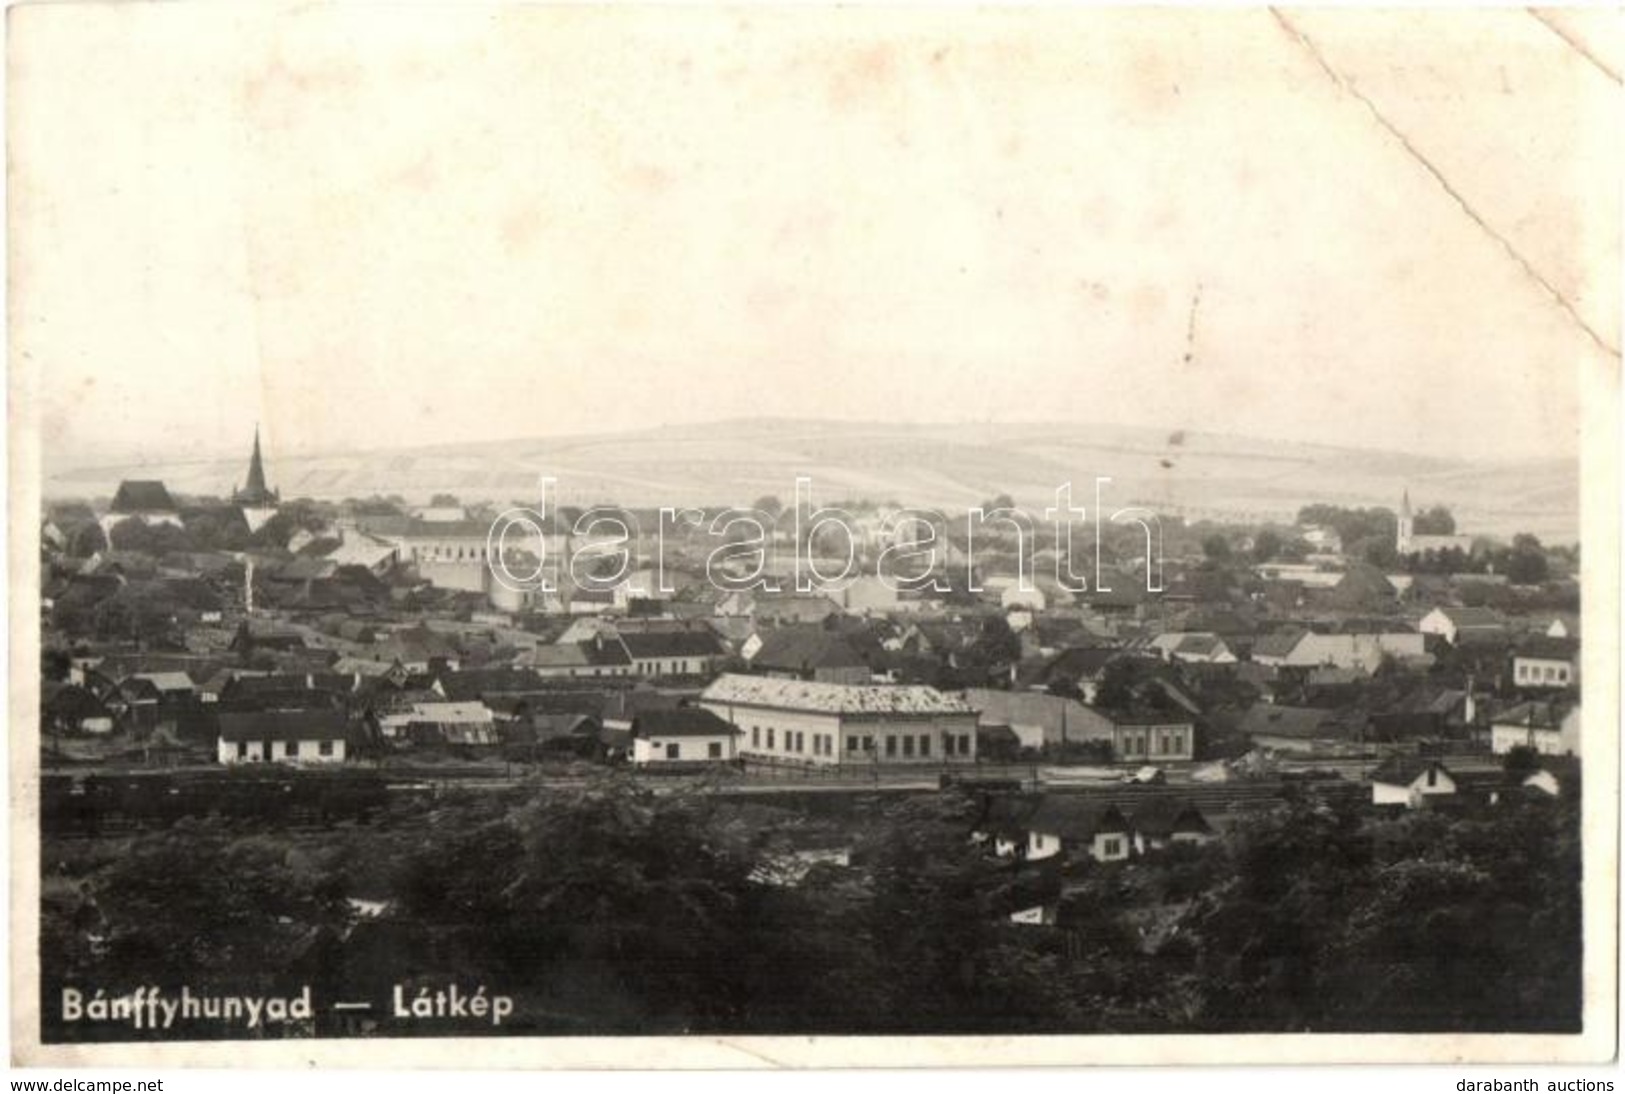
x: 1404, y: 508
x: 254, y: 491
x: 256, y: 468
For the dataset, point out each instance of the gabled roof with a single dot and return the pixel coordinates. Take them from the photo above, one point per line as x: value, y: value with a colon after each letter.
x: 167, y: 682
x: 486, y: 683
x: 1536, y: 714
x: 1161, y: 817
x: 1075, y: 817
x: 1277, y: 720
x: 451, y: 713
x: 805, y: 649
x: 142, y: 496
x: 1405, y: 770
x: 1035, y: 708
x: 608, y: 653
x: 699, y: 642
x: 1008, y: 815
x: 1080, y: 662
x: 1549, y: 649
x: 682, y: 722
x: 1279, y: 644
x: 284, y: 725
x: 1473, y: 617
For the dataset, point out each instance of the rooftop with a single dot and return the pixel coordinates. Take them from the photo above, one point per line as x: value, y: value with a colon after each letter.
x: 761, y: 691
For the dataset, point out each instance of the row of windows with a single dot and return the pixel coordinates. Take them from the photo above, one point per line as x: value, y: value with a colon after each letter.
x: 713, y: 750
x: 448, y: 554
x: 906, y: 745
x: 290, y: 749
x: 1552, y: 674
x: 666, y: 668
x: 1169, y: 742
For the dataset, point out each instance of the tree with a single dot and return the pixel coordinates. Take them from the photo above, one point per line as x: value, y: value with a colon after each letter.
x: 769, y: 504
x: 1116, y: 688
x: 1520, y: 761
x: 1216, y: 549
x: 444, y: 501
x: 1436, y: 521
x: 1378, y: 550
x: 1266, y: 545
x: 86, y: 540
x: 136, y: 534
x: 996, y: 645
x: 1526, y: 563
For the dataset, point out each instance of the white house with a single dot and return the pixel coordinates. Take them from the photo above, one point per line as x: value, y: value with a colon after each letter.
x: 683, y: 735
x: 1408, y: 780
x: 1551, y: 729
x: 817, y: 723
x: 1546, y: 663
x: 468, y: 722
x: 688, y: 651
x: 1451, y: 623
x: 284, y: 736
x: 1193, y: 646
x: 1073, y: 823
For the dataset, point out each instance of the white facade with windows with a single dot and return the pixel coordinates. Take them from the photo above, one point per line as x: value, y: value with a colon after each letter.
x: 1542, y: 672
x: 286, y: 751
x: 819, y: 723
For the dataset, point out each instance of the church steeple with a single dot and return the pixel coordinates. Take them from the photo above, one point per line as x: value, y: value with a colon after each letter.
x: 256, y: 467
x: 255, y: 492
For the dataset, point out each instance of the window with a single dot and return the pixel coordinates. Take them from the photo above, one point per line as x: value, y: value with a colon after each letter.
x: 325, y: 748
x: 854, y: 744
x: 755, y: 736
x: 674, y: 751
x: 242, y: 750
x: 714, y: 750
x: 769, y: 736
x: 290, y: 749
x: 868, y: 744
x: 925, y: 744
x: 964, y: 744
x: 1433, y: 776
x: 891, y: 745
x: 1111, y: 846
x: 908, y: 744
x: 1179, y: 742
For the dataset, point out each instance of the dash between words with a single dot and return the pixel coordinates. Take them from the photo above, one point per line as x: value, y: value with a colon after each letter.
x: 910, y: 560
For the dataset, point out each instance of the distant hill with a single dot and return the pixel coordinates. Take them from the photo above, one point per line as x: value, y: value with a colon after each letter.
x: 945, y: 466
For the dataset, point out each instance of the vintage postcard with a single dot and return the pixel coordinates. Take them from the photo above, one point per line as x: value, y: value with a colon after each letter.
x: 812, y: 536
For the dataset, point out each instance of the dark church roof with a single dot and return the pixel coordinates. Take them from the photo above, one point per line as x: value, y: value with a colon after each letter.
x: 142, y: 496
x: 255, y: 492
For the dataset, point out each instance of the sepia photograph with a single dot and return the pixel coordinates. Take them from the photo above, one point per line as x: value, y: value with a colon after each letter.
x: 813, y: 536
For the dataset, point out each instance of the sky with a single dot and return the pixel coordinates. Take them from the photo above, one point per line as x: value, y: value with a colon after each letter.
x: 375, y: 226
